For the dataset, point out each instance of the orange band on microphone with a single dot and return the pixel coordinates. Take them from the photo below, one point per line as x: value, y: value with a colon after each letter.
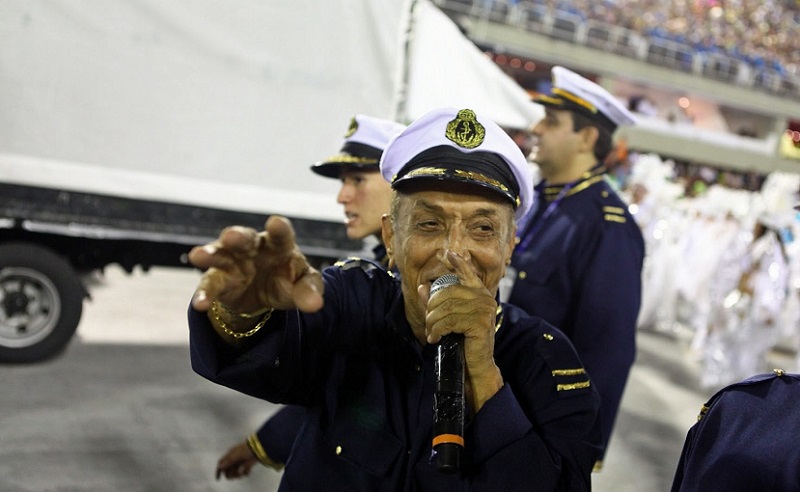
x: 448, y: 438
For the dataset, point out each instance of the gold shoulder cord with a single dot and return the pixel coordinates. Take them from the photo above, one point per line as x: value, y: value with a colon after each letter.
x: 266, y: 313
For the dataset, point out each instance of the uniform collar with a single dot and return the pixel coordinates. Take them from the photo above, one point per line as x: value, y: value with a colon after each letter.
x: 587, y: 179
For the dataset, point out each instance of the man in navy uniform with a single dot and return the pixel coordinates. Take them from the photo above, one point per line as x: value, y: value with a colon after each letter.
x: 745, y: 439
x: 579, y: 259
x: 365, y: 196
x: 356, y: 346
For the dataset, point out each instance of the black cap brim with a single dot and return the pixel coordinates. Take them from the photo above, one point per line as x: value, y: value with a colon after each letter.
x: 333, y: 169
x: 353, y: 155
x: 445, y: 163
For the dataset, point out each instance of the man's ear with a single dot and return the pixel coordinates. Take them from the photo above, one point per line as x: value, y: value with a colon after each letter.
x: 511, y: 244
x: 589, y: 136
x: 387, y: 234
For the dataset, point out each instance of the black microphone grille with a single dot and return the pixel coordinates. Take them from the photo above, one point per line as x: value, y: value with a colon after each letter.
x: 443, y: 281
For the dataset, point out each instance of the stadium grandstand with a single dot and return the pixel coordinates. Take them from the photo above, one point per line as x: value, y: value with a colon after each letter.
x: 715, y: 83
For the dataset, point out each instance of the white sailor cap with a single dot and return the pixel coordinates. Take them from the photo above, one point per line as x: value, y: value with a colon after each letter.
x: 575, y: 93
x: 364, y: 141
x: 448, y: 144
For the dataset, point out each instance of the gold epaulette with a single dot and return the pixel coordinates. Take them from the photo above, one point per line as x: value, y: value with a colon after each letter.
x: 703, y: 412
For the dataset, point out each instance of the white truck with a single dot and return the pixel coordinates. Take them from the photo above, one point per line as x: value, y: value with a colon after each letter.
x: 132, y: 131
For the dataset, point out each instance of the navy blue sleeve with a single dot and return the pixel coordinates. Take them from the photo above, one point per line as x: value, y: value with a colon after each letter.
x: 546, y: 414
x: 277, y: 434
x: 289, y: 359
x: 605, y: 333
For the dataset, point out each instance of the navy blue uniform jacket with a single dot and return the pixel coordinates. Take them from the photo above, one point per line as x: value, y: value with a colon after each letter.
x: 746, y: 439
x: 581, y: 272
x: 277, y: 434
x: 368, y: 387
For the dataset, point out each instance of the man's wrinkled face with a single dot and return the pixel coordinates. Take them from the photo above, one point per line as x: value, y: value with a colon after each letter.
x: 366, y: 196
x: 475, y: 223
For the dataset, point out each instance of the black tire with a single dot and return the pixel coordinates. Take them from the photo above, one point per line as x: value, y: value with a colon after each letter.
x: 41, y: 302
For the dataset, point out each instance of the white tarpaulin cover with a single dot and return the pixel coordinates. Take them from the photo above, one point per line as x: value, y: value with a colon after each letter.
x: 447, y: 69
x: 217, y: 103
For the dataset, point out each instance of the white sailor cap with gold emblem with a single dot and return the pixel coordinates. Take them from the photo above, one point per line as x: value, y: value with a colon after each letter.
x: 576, y: 93
x: 364, y: 141
x: 448, y: 144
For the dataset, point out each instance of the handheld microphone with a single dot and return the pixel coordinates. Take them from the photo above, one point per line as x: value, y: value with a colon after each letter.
x: 448, y: 400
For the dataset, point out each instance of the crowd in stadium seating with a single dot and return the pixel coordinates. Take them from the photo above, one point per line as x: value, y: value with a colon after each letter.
x: 763, y: 33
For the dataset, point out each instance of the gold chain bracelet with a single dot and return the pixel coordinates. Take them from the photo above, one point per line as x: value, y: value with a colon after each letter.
x: 267, y: 312
x: 231, y: 312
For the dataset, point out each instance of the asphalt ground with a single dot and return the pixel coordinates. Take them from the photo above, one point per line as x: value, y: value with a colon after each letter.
x: 121, y: 410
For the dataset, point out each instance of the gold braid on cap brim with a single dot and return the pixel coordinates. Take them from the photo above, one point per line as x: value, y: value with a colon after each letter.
x: 575, y: 99
x: 349, y: 159
x: 464, y: 175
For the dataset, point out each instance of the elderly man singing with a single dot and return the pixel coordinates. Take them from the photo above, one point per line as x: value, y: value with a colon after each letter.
x: 359, y: 348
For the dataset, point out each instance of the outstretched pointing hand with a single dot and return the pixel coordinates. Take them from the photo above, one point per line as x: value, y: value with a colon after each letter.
x: 248, y: 270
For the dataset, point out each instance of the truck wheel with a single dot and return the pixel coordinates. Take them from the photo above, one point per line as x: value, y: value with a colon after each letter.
x: 41, y: 301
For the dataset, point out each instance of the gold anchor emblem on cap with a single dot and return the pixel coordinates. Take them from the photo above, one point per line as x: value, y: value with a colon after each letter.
x: 352, y: 128
x: 465, y: 131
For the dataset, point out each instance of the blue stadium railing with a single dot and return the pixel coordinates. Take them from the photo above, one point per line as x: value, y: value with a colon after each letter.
x: 572, y: 27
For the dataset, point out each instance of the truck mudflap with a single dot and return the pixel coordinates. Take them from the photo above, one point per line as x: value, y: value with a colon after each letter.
x: 41, y: 302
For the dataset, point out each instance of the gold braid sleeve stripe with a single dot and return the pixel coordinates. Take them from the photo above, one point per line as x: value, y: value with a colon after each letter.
x: 573, y: 386
x: 258, y: 451
x: 569, y: 372
x: 614, y: 218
